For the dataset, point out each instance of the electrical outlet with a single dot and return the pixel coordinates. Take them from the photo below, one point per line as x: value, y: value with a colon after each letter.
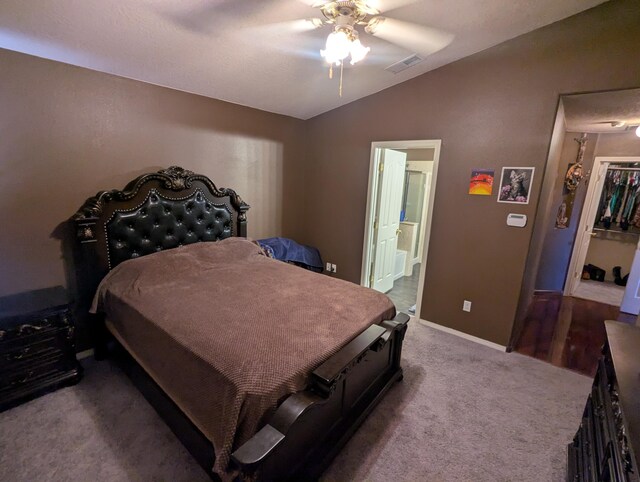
x: 466, y: 305
x: 328, y: 267
x: 334, y: 268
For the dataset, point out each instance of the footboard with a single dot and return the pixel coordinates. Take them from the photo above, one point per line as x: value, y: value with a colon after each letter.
x: 309, y: 428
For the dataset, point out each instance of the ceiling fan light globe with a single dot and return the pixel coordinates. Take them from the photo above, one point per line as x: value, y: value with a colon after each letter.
x: 638, y: 131
x: 358, y: 51
x: 338, y: 47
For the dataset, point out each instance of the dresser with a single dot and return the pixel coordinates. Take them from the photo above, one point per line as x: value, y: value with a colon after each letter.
x: 607, y: 443
x: 37, y: 350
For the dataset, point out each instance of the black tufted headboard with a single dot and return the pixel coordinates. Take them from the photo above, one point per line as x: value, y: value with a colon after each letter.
x: 156, y: 211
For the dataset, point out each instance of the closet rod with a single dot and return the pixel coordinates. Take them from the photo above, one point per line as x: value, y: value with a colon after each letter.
x: 623, y: 169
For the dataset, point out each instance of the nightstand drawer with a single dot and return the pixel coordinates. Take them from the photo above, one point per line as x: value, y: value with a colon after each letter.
x: 56, y: 343
x: 37, y: 350
x: 31, y: 332
x: 32, y: 374
x: 31, y: 383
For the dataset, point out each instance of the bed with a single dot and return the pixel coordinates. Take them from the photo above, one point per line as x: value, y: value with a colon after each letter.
x: 258, y: 379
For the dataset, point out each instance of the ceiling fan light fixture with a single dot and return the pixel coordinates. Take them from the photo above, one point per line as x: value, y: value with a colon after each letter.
x: 638, y: 131
x: 337, y: 48
x: 358, y: 51
x: 342, y: 43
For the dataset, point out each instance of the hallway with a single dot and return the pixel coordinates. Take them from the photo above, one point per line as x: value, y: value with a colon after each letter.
x: 566, y: 331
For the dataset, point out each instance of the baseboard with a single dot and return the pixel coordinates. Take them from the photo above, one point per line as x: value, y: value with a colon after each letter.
x: 84, y: 354
x: 466, y: 336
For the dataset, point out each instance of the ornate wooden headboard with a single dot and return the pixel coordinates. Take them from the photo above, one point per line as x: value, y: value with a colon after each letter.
x: 154, y: 212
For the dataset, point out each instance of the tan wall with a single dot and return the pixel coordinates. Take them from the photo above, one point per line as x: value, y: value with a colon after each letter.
x: 542, y: 222
x: 67, y: 132
x: 418, y: 154
x: 621, y: 144
x: 558, y: 243
x: 495, y: 109
x: 422, y: 166
x: 607, y: 253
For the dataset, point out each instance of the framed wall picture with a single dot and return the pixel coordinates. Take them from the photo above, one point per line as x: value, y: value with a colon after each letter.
x: 515, y: 185
x: 481, y: 183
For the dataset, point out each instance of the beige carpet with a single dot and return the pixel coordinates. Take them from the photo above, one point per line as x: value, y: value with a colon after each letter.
x: 464, y: 412
x: 603, y: 291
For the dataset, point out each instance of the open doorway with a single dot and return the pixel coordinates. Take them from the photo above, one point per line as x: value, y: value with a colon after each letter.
x: 608, y: 237
x: 402, y: 180
x: 585, y: 236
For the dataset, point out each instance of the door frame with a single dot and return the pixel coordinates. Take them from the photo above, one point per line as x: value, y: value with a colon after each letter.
x: 372, y: 195
x: 578, y: 255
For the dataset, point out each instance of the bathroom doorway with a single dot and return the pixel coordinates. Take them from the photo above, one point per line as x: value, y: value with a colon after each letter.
x: 398, y: 219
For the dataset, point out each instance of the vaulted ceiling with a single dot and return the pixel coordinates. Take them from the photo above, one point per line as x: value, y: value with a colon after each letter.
x: 250, y: 52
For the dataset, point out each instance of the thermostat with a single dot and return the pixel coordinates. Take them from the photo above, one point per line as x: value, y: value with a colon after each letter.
x: 517, y: 220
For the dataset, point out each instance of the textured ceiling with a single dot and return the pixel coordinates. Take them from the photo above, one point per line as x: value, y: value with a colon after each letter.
x: 248, y: 51
x: 596, y: 112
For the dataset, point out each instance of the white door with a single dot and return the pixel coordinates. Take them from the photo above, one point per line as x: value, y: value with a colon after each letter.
x: 585, y: 228
x: 387, y: 223
x: 631, y: 299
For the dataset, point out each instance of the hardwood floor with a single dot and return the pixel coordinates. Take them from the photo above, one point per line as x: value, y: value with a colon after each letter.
x: 405, y: 290
x: 566, y: 331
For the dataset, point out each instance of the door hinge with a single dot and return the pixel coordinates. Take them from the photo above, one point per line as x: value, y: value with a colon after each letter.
x: 371, y: 278
x: 381, y: 167
x: 375, y: 224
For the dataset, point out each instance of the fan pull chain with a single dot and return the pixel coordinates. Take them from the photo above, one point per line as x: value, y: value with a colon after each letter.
x: 331, y: 71
x: 341, y: 69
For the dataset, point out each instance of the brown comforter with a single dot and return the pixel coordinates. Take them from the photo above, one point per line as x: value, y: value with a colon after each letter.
x: 228, y: 333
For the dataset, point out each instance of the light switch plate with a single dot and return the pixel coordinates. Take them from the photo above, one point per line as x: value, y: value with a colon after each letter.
x: 466, y: 305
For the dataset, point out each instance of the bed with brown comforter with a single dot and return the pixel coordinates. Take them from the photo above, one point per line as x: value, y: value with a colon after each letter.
x: 228, y: 333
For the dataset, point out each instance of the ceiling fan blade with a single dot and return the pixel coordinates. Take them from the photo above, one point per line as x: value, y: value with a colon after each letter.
x: 313, y: 3
x: 387, y: 5
x: 379, y: 5
x: 278, y: 36
x: 284, y: 28
x: 415, y: 38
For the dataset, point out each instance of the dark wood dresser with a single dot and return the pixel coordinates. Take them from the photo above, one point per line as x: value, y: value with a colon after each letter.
x: 37, y: 350
x: 607, y: 444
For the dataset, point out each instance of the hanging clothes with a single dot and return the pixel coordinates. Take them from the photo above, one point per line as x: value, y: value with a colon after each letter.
x: 619, y: 206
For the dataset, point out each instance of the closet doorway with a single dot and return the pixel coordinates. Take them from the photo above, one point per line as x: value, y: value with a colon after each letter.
x: 607, y: 243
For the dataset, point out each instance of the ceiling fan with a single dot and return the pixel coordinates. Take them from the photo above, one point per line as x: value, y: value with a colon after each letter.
x: 343, y: 42
x: 345, y: 21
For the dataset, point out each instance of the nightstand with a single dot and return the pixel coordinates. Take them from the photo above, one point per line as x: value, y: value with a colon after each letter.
x: 37, y: 348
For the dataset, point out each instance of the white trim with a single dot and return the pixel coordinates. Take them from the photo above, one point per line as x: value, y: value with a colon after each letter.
x: 84, y: 354
x: 434, y: 144
x: 577, y: 257
x: 461, y: 334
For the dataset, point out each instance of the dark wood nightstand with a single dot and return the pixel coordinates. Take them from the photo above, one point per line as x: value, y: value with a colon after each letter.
x: 37, y: 349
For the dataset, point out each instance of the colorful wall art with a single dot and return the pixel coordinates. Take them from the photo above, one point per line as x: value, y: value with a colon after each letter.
x: 481, y: 183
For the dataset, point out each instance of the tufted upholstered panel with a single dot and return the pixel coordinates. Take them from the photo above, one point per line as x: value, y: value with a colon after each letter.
x: 163, y: 223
